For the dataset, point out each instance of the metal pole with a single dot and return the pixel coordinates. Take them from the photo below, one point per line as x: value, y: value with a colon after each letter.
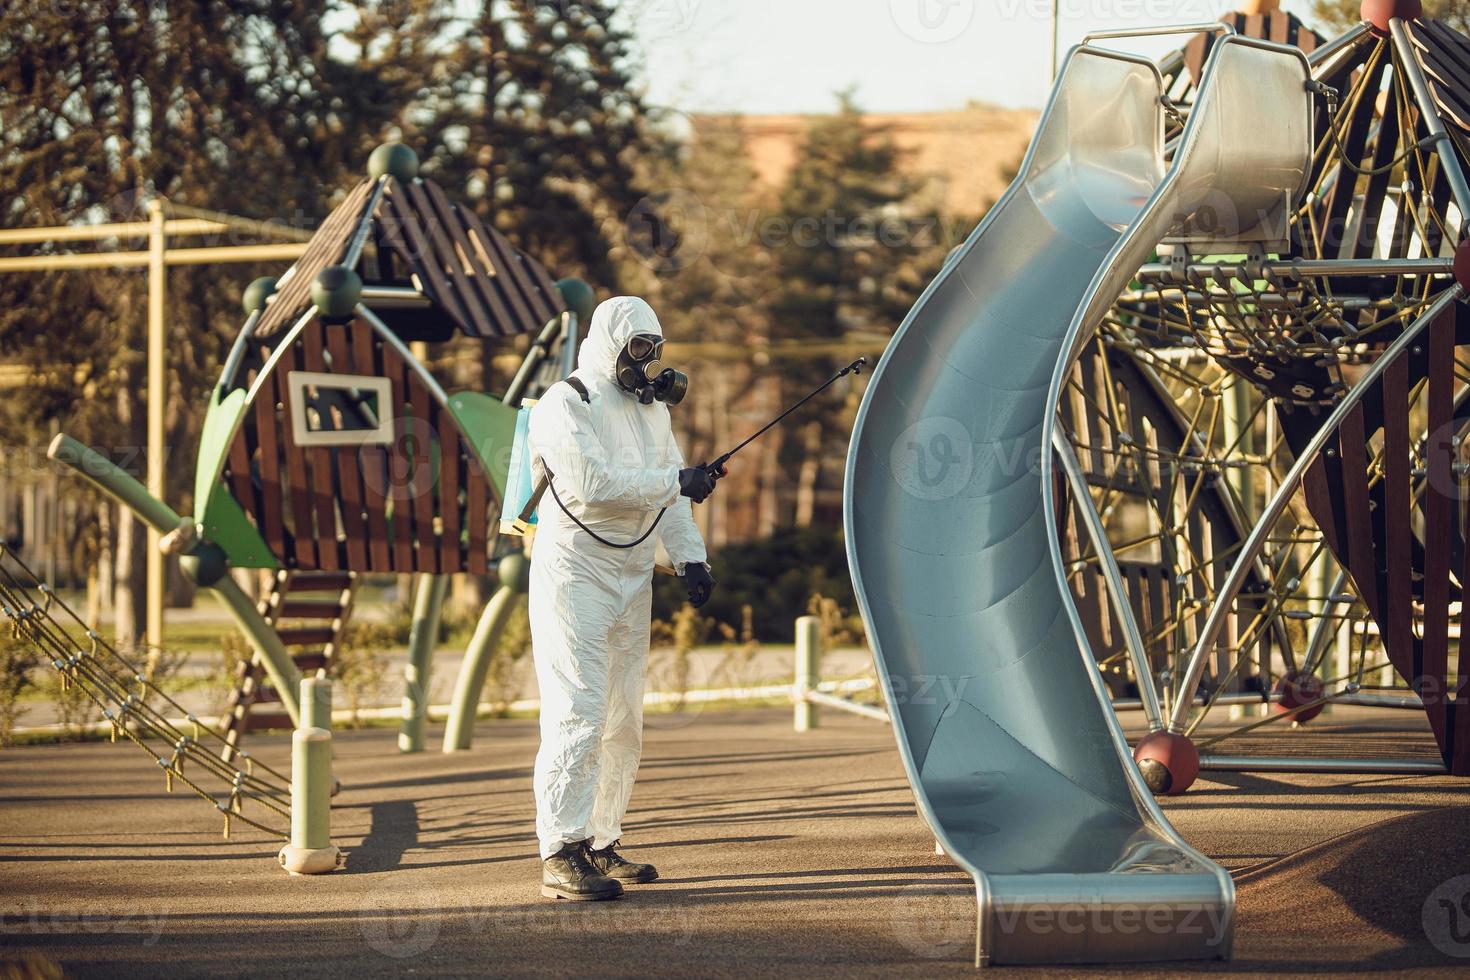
x: 1366, y: 767
x: 808, y: 671
x: 157, y: 401
x: 428, y: 608
x: 1240, y: 434
x: 1108, y: 563
x: 1265, y: 524
x: 1056, y: 37
x: 1429, y: 113
x: 102, y: 473
x: 460, y: 731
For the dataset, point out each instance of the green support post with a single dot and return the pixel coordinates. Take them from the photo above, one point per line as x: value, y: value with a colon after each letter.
x: 311, y: 851
x: 102, y: 473
x: 428, y: 609
x: 471, y: 681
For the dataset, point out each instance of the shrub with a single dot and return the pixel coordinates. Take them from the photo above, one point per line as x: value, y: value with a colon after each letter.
x: 775, y: 576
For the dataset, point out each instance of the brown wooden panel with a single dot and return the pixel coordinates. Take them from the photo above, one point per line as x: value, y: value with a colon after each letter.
x: 310, y: 609
x: 1438, y: 512
x: 551, y: 298
x: 400, y: 465
x: 480, y: 279
x: 1278, y: 28
x: 327, y: 247
x: 1376, y: 193
x: 349, y: 469
x: 450, y: 459
x: 426, y: 558
x: 507, y: 277
x: 303, y: 529
x: 420, y: 255
x: 446, y: 232
x: 1354, y: 141
x: 267, y: 427
x: 373, y: 459
x: 241, y: 483
x: 1397, y: 630
x: 1360, y: 558
x: 323, y: 493
x: 477, y: 516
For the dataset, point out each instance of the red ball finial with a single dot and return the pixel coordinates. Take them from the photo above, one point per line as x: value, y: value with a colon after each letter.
x: 1298, y: 689
x: 1378, y: 13
x: 1462, y: 264
x: 1169, y: 762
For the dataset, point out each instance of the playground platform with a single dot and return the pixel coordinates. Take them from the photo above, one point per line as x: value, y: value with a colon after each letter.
x: 780, y: 853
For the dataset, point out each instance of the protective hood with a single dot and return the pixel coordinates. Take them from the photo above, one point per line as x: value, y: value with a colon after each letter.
x: 613, y: 322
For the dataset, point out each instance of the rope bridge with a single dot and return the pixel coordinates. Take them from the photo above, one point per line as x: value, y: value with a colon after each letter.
x: 127, y: 697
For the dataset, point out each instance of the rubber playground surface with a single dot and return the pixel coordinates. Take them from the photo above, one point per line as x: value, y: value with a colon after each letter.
x: 780, y: 854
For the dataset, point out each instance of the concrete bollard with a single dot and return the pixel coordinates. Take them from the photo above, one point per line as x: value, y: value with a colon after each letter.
x: 311, y: 851
x: 808, y: 670
x: 316, y: 703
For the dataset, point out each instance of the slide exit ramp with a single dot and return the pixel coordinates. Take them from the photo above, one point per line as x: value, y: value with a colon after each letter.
x: 1017, y: 763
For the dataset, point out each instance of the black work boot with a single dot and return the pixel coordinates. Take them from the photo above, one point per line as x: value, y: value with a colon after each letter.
x: 569, y: 874
x: 609, y: 862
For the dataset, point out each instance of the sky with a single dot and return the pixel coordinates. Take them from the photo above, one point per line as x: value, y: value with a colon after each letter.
x: 778, y: 56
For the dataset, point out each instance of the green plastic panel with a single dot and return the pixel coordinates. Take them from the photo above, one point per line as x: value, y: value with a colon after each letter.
x: 490, y: 427
x: 223, y: 519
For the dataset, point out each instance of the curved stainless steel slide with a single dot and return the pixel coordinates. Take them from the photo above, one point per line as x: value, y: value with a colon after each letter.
x: 1017, y: 764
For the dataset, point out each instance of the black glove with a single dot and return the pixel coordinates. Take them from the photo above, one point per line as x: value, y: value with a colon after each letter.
x: 697, y: 577
x: 696, y: 483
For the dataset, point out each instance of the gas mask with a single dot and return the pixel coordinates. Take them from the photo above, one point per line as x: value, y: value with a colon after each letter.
x: 640, y: 372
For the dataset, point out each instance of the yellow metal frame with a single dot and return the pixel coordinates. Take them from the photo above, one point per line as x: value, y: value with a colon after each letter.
x: 165, y: 221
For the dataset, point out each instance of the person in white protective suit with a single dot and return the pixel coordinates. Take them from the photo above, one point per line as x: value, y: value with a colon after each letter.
x: 603, y: 441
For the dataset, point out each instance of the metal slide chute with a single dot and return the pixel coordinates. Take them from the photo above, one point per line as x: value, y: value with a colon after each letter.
x: 1017, y: 764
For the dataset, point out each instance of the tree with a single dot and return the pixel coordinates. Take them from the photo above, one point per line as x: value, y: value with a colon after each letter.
x: 234, y: 105
x: 527, y: 109
x: 1343, y: 14
x: 852, y: 246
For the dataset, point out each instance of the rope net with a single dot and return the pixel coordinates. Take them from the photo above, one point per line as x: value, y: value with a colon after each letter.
x: 134, y: 707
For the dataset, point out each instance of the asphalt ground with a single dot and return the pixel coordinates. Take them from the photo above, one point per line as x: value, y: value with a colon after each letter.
x: 780, y: 854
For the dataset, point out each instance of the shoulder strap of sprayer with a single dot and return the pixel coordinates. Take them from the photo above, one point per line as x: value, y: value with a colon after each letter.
x: 581, y: 389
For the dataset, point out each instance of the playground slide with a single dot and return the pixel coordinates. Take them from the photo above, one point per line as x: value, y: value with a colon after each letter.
x: 1017, y: 764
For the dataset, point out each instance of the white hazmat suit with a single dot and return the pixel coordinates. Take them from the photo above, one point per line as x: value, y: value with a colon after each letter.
x: 614, y: 463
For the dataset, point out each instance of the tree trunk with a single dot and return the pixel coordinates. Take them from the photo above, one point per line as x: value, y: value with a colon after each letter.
x: 106, y: 552
x: 131, y: 592
x: 811, y: 469
x: 769, y: 505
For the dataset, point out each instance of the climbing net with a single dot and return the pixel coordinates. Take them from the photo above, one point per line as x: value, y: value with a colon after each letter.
x: 133, y: 706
